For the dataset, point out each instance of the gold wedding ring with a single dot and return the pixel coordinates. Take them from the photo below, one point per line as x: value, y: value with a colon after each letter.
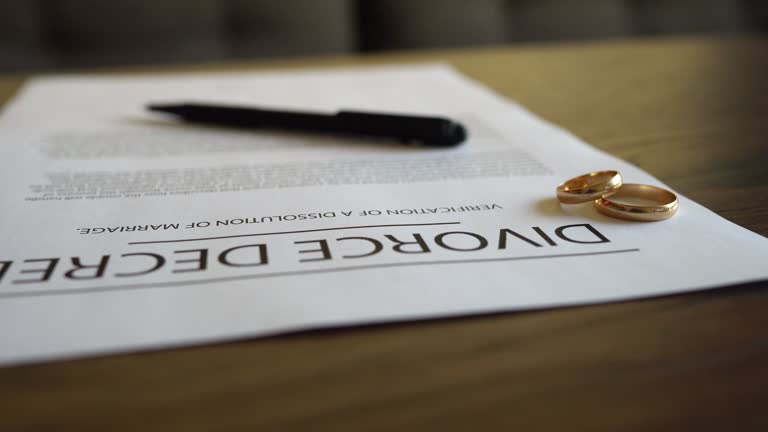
x: 589, y: 187
x: 649, y: 203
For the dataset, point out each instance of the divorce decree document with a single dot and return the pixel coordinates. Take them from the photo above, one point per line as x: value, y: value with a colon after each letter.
x: 123, y: 231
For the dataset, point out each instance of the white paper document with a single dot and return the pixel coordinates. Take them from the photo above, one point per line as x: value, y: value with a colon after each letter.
x: 122, y: 231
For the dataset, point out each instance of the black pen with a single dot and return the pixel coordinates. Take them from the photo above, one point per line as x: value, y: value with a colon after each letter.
x: 433, y: 131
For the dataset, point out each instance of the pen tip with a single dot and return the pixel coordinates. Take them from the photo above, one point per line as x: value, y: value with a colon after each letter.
x: 170, y: 109
x: 156, y: 107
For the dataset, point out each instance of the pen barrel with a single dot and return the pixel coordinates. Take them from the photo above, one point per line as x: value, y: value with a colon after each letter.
x: 436, y: 131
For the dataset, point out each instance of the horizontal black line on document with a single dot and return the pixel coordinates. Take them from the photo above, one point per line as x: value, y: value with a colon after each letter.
x: 87, y: 290
x: 291, y: 232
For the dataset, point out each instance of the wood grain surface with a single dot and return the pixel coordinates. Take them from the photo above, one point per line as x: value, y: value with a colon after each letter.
x: 693, y: 112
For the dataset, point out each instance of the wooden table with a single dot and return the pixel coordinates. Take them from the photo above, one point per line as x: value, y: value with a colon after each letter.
x: 693, y: 112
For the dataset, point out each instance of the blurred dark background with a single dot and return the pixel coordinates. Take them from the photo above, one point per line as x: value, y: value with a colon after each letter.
x: 53, y: 34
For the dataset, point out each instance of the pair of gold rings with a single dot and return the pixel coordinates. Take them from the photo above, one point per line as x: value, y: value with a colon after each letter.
x: 612, y: 197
